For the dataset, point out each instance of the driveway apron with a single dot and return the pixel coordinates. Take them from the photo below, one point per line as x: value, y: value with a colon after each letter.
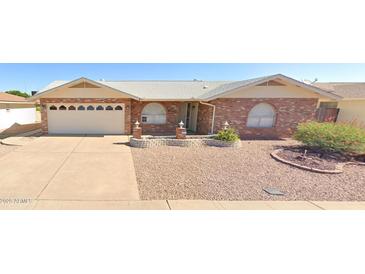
x: 94, y: 168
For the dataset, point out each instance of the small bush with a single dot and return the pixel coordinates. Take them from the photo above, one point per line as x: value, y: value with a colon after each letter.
x: 331, y: 137
x: 228, y: 135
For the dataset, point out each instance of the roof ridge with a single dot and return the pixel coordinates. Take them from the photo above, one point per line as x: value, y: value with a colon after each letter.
x: 198, y: 81
x: 338, y: 83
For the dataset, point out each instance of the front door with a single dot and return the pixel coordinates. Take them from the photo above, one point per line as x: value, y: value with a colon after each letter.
x: 191, y: 116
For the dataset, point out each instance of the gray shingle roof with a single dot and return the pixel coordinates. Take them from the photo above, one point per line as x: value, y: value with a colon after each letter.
x: 155, y: 89
x: 345, y: 90
x: 230, y: 86
x: 167, y: 90
x: 183, y: 90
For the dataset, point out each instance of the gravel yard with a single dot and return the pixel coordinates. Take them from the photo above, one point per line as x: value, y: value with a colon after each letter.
x: 237, y: 174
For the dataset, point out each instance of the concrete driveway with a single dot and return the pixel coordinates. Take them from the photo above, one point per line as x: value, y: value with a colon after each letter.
x: 74, y: 168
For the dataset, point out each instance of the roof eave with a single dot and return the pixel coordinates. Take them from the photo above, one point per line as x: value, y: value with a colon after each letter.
x: 171, y: 99
x: 17, y: 102
x: 352, y: 99
x: 272, y: 77
x: 39, y: 95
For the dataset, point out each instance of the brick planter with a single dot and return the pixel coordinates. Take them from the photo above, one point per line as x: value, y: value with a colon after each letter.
x: 147, y: 142
x: 137, y: 133
x: 180, y: 133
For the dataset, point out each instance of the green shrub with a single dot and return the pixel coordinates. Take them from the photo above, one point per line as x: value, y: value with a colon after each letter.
x: 341, y: 137
x: 228, y: 135
x: 18, y: 93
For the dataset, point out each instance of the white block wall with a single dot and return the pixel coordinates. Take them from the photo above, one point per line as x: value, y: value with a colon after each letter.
x: 17, y: 115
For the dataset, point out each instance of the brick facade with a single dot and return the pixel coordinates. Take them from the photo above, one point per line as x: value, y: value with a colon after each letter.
x: 126, y: 102
x: 289, y: 112
x: 204, y: 123
x: 172, y: 114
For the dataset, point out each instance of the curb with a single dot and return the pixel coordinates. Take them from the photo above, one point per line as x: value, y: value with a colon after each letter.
x: 44, y: 204
x: 6, y: 142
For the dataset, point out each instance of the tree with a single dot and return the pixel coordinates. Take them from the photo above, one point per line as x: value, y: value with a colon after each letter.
x: 18, y: 93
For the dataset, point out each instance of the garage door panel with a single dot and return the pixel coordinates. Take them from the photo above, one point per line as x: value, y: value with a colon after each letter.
x: 86, y: 121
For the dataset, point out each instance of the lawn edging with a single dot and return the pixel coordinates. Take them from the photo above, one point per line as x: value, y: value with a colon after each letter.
x: 339, y: 167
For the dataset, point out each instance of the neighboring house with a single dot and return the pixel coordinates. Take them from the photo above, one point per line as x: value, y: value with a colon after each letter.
x: 266, y: 107
x: 351, y: 106
x: 15, y: 110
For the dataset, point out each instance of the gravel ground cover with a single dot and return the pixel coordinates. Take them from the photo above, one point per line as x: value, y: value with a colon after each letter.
x: 237, y: 174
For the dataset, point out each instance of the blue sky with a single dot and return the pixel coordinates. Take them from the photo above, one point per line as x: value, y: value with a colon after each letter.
x: 28, y: 77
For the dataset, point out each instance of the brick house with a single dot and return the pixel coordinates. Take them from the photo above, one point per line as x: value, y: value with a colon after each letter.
x: 266, y: 107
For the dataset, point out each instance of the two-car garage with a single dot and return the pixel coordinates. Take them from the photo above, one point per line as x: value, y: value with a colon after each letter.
x: 86, y: 118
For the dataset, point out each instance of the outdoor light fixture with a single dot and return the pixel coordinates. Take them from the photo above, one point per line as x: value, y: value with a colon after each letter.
x: 181, y: 124
x: 137, y: 124
x: 225, y: 125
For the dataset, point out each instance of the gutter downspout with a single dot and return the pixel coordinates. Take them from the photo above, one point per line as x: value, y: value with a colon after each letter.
x: 211, y: 105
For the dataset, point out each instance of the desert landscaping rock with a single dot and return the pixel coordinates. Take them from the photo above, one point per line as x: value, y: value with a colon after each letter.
x: 211, y: 173
x: 272, y: 191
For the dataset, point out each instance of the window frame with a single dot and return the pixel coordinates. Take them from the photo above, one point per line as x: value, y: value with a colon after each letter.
x: 144, y: 117
x: 260, y: 118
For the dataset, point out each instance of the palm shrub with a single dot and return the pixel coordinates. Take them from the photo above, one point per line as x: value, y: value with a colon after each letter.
x: 228, y: 135
x: 331, y: 137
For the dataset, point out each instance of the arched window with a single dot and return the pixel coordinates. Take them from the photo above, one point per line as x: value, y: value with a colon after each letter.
x: 53, y: 108
x: 90, y: 108
x: 154, y: 113
x: 71, y: 108
x: 109, y: 108
x: 118, y: 108
x: 62, y: 107
x: 100, y: 108
x: 261, y: 116
x: 81, y: 108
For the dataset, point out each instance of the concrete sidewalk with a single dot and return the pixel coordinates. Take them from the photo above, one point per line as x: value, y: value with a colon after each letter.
x: 42, y: 204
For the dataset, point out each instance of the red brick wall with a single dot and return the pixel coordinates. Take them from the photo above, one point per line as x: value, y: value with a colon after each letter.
x: 172, y: 112
x: 204, y: 120
x: 289, y: 112
x: 126, y: 102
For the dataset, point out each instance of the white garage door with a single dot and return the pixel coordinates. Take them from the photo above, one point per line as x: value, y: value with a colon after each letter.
x: 85, y: 118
